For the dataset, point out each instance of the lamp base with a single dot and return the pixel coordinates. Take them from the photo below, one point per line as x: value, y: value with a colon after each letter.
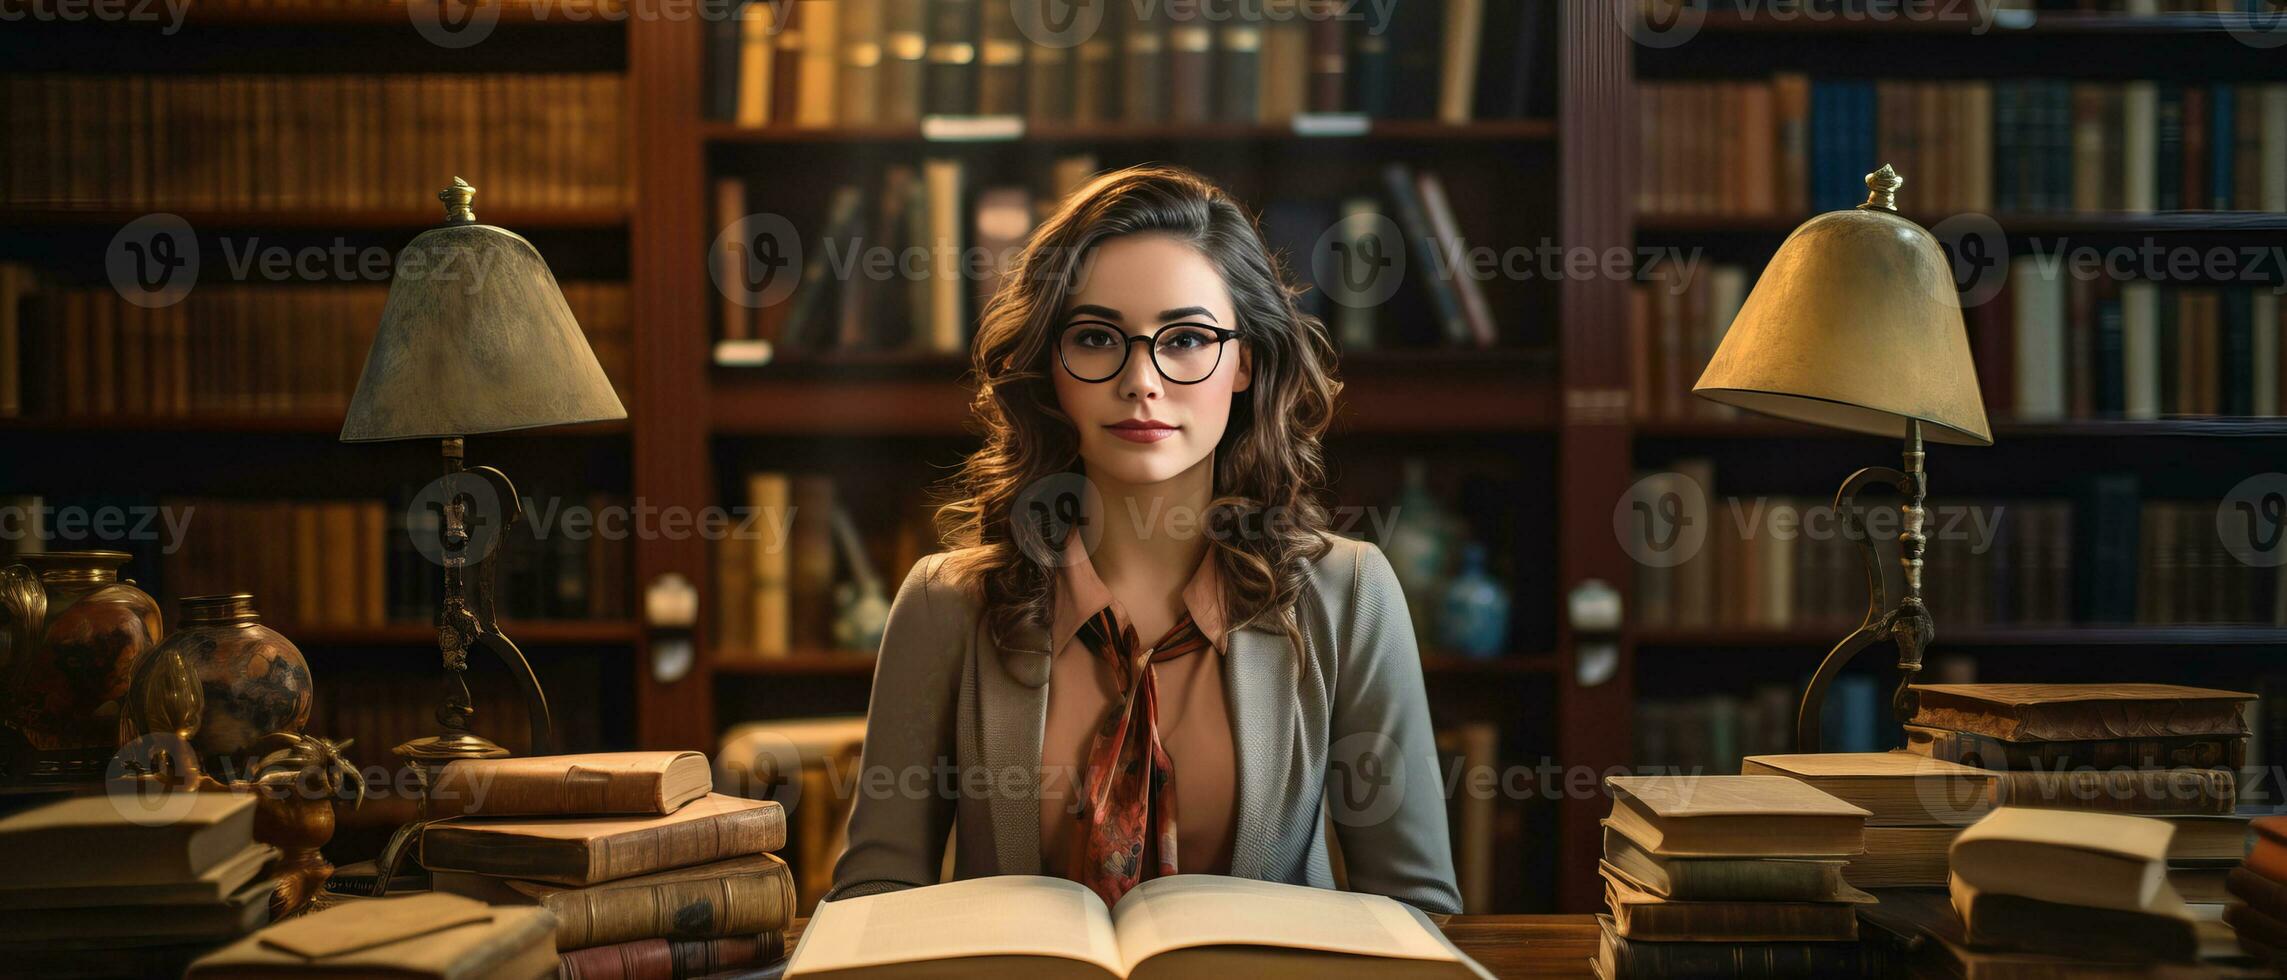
x: 1908, y: 624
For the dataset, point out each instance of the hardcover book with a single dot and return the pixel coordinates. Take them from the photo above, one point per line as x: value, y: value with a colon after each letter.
x: 2075, y: 712
x: 1179, y: 926
x: 584, y: 851
x: 656, y: 783
x: 1723, y: 879
x: 1644, y: 916
x: 1733, y: 816
x: 1897, y: 788
x: 2099, y: 860
x: 739, y: 897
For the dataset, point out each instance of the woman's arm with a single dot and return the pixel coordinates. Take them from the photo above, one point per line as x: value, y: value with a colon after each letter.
x: 899, y: 820
x: 1382, y: 780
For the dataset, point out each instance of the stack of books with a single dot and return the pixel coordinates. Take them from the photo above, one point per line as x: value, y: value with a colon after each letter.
x: 1917, y: 806
x: 1730, y: 876
x: 646, y: 872
x: 129, y: 885
x: 2156, y: 750
x: 2083, y: 890
x: 416, y: 937
x: 2259, y: 916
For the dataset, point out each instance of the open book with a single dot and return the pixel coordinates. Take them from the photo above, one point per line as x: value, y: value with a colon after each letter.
x: 1010, y: 927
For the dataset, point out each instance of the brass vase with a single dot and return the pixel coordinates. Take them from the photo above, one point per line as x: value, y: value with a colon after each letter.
x: 251, y: 682
x: 73, y: 631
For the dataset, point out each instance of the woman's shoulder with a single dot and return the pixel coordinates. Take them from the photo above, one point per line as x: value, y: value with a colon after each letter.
x: 943, y: 578
x: 1346, y: 566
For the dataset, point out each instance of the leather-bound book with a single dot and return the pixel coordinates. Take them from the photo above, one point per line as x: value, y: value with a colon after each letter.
x: 738, y: 897
x: 904, y: 50
x: 1734, y: 816
x: 2072, y: 712
x: 584, y: 851
x: 656, y: 783
x: 949, y: 79
x: 860, y: 102
x: 661, y: 959
x: 1619, y: 958
x: 1000, y: 63
x: 1898, y: 788
x: 1096, y: 73
x: 2162, y: 930
x: 1239, y: 67
x: 1641, y: 915
x: 2098, y: 860
x: 1190, y: 64
x: 1143, y: 62
x: 1724, y: 879
x: 1328, y: 66
x: 2148, y: 791
x: 107, y: 848
x: 1048, y: 84
x: 2160, y: 752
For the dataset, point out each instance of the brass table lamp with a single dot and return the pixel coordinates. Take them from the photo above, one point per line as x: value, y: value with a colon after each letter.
x: 475, y: 337
x: 1856, y: 324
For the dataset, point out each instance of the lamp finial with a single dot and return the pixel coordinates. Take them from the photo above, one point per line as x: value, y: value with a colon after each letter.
x: 457, y: 198
x: 1882, y: 190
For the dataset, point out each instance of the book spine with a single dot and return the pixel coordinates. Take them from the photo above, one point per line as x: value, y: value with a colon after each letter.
x: 2151, y: 791
x: 738, y: 905
x: 761, y: 830
x: 660, y: 959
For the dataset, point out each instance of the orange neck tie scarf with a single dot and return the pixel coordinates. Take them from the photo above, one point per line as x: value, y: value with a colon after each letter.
x: 1130, y: 782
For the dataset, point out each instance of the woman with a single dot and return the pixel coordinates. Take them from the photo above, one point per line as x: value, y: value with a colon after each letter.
x: 1146, y: 654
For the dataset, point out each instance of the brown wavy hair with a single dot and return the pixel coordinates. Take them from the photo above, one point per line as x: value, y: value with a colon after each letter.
x: 1264, y: 522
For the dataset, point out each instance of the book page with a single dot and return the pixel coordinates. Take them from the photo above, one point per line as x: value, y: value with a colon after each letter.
x: 1200, y: 910
x: 1026, y: 915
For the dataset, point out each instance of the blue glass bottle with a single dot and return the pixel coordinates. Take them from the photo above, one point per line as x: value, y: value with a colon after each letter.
x: 1475, y: 619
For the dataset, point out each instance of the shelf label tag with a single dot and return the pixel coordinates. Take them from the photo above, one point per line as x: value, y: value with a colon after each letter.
x: 742, y: 353
x: 1331, y: 124
x: 971, y: 129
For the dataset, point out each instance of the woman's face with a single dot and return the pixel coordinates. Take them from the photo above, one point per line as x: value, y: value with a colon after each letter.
x: 1137, y: 427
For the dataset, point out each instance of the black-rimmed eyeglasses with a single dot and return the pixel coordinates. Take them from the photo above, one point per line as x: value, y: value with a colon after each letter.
x: 1184, y: 353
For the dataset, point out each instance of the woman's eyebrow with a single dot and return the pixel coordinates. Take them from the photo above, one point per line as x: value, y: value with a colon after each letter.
x: 1090, y: 309
x: 1183, y: 311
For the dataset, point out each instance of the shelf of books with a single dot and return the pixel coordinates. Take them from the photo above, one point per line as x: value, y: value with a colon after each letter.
x: 2106, y: 217
x: 195, y: 426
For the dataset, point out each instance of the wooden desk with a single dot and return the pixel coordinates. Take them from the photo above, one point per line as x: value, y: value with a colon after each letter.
x: 1507, y: 945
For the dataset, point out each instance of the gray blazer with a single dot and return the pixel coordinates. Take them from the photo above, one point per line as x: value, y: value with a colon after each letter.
x: 1340, y: 730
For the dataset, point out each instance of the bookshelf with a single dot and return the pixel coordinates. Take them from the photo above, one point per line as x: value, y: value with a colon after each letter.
x: 64, y: 199
x: 1742, y: 678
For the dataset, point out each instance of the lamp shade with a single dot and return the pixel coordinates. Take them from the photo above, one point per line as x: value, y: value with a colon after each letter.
x: 1856, y: 325
x: 475, y: 337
